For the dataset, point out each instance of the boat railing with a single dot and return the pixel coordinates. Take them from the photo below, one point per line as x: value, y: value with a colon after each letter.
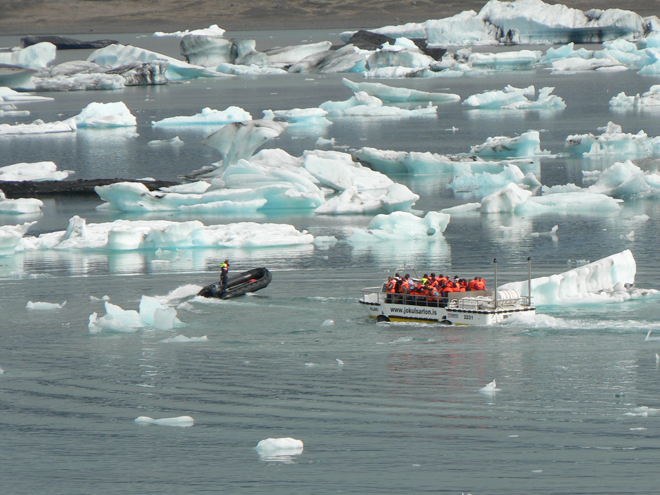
x: 470, y: 300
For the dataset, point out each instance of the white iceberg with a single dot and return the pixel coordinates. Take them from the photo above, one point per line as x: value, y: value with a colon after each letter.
x: 104, y: 115
x: 212, y: 30
x: 19, y: 206
x: 279, y: 447
x: 152, y: 314
x: 648, y: 99
x: 361, y: 104
x: 38, y: 171
x: 11, y: 237
x: 175, y: 141
x: 401, y: 226
x: 180, y: 421
x: 392, y: 94
x: 34, y: 56
x: 512, y: 98
x: 610, y: 279
x: 486, y: 181
x: 44, y: 306
x: 612, y: 141
x: 37, y: 127
x: 182, y: 339
x: 528, y: 144
x: 626, y: 180
x: 505, y: 60
x: 207, y: 116
x: 491, y: 388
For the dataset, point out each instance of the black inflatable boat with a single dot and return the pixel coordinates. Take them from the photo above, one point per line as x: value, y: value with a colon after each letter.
x: 239, y: 284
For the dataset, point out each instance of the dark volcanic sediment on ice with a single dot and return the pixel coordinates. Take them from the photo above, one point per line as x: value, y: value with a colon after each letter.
x: 29, y: 189
x: 21, y: 17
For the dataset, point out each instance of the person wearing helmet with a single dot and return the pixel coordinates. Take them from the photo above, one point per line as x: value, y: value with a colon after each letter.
x: 224, y: 275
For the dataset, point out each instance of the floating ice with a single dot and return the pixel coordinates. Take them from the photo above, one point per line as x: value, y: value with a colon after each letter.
x: 212, y: 30
x: 579, y: 64
x: 607, y: 280
x: 37, y: 171
x: 512, y: 98
x: 101, y: 115
x: 487, y: 182
x: 643, y: 411
x: 650, y: 98
x: 208, y: 116
x: 182, y: 339
x: 10, y: 97
x: 33, y: 57
x: 307, y: 117
x: 417, y: 163
x: 402, y: 225
x: 613, y: 141
x: 508, y: 60
x: 398, y: 95
x: 19, y: 206
x: 627, y: 180
x: 395, y: 197
x: 280, y: 447
x: 37, y: 127
x: 44, y: 306
x: 175, y: 141
x: 152, y: 313
x: 527, y: 144
x: 11, y: 237
x: 346, y: 59
x: 361, y: 104
x: 127, y: 235
x: 491, y: 388
x: 552, y: 235
x: 119, y: 55
x: 524, y: 22
x: 181, y: 421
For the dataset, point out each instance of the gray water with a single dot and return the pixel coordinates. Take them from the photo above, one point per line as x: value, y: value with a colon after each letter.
x: 403, y: 413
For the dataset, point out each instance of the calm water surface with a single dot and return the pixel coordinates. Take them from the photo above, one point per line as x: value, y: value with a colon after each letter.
x: 402, y: 414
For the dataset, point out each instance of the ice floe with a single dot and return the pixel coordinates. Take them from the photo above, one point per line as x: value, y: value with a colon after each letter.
x: 402, y: 226
x: 280, y: 447
x: 103, y: 115
x: 37, y: 127
x: 180, y: 421
x: 11, y: 237
x: 648, y: 99
x: 128, y: 235
x: 32, y: 57
x: 528, y: 144
x: 152, y: 313
x: 490, y: 389
x: 522, y: 21
x: 485, y: 181
x: 175, y: 141
x: 361, y: 104
x: 610, y: 279
x: 612, y: 141
x: 44, y: 306
x: 512, y: 98
x: 182, y: 339
x: 38, y: 171
x: 212, y: 30
x: 392, y: 94
x: 627, y: 180
x: 207, y: 116
x: 19, y: 206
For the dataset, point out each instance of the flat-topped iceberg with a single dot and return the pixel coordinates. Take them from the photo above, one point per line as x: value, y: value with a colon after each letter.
x: 127, y: 235
x: 9, y: 98
x: 207, y: 116
x: 361, y: 104
x: 513, y: 199
x: 38, y: 171
x: 392, y: 94
x: 522, y: 21
x: 180, y: 421
x: 121, y: 55
x: 607, y: 280
x: 32, y: 57
x: 37, y: 127
x: 512, y: 98
x: 425, y: 163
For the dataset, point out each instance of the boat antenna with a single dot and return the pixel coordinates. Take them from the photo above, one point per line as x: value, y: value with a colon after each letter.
x: 529, y: 279
x: 495, y: 288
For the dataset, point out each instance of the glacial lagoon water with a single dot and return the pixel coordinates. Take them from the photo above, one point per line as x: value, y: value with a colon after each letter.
x: 381, y: 408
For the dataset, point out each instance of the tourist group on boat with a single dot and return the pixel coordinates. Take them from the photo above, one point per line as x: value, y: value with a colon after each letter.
x: 432, y: 286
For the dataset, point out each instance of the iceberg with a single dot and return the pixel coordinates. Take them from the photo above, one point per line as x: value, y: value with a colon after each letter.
x: 512, y: 98
x: 395, y: 197
x: 346, y: 59
x: 208, y: 116
x: 180, y: 421
x: 103, y: 115
x: 11, y: 237
x: 486, y: 181
x: 37, y: 127
x: 279, y: 447
x: 152, y: 313
x: 528, y: 144
x: 212, y: 30
x: 182, y: 339
x: 648, y: 99
x: 402, y: 225
x: 44, y: 306
x: 612, y: 141
x: 399, y: 95
x: 117, y: 56
x: 425, y: 163
x: 361, y: 104
x: 19, y: 206
x: 505, y: 60
x: 9, y: 98
x: 35, y: 56
x: 38, y: 171
x: 607, y: 280
x: 175, y: 141
x: 127, y: 235
x: 626, y: 180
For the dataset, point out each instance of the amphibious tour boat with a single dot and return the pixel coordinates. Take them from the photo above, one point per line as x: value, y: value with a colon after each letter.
x: 477, y: 307
x: 239, y: 284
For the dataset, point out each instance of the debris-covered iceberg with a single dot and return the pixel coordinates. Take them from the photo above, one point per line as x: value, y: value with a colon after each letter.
x: 612, y: 141
x: 528, y: 144
x: 610, y: 279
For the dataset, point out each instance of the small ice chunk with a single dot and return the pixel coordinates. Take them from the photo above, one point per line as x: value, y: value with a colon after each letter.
x: 182, y: 339
x: 328, y: 323
x: 180, y: 421
x: 279, y: 446
x: 491, y: 388
x: 44, y: 306
x: 175, y: 141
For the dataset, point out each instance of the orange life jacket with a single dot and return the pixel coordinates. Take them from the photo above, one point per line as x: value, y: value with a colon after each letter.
x: 391, y: 286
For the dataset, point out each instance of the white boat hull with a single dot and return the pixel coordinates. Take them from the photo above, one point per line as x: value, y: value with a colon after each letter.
x: 458, y: 309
